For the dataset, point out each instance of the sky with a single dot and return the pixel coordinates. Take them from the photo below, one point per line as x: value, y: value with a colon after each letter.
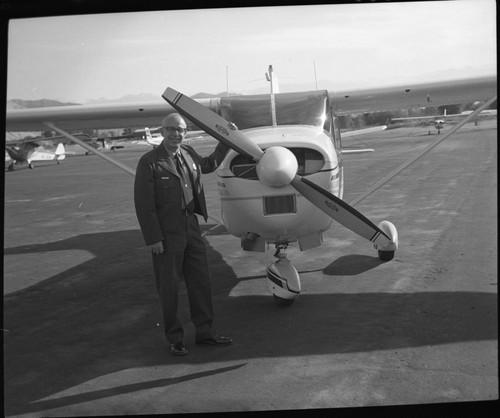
x: 348, y: 46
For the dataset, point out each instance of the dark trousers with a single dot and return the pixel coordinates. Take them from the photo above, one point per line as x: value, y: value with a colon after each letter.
x: 185, y: 257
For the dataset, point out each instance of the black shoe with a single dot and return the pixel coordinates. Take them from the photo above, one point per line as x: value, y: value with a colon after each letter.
x: 178, y: 349
x: 216, y: 340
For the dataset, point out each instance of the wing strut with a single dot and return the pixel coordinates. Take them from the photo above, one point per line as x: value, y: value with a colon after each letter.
x: 407, y: 163
x: 90, y: 148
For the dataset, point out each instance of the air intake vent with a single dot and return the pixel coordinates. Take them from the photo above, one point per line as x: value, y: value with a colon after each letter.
x: 274, y: 205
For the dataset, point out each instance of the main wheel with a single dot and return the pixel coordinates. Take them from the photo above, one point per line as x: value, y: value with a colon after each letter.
x: 282, y: 302
x: 386, y: 255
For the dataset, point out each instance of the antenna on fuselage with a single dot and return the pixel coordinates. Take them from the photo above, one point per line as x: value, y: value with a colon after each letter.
x: 270, y: 78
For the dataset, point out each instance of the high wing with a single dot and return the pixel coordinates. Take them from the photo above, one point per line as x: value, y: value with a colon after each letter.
x: 398, y: 97
x: 106, y: 116
x: 52, y: 139
x: 109, y: 116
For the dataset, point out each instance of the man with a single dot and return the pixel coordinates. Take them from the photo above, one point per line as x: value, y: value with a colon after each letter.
x: 167, y: 194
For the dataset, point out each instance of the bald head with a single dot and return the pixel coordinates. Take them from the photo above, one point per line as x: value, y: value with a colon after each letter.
x: 173, y: 120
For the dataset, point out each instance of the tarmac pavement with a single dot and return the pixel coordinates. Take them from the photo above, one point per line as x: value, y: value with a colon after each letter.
x: 82, y: 331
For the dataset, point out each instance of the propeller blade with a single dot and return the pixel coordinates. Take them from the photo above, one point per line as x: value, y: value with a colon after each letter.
x: 213, y: 124
x: 340, y: 211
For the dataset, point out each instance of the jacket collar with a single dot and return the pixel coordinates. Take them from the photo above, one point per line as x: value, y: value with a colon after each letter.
x: 165, y: 158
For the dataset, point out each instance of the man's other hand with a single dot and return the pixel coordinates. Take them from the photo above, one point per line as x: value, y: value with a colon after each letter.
x: 157, y: 248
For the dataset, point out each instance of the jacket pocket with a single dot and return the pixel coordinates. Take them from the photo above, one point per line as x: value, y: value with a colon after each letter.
x: 165, y: 183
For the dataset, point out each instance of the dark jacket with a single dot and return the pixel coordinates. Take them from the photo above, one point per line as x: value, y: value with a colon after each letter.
x: 158, y: 193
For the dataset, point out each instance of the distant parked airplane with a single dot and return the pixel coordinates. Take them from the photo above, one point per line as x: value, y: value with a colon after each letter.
x: 28, y: 152
x: 440, y: 120
x: 155, y: 138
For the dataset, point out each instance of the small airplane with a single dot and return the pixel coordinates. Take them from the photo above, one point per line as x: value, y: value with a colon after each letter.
x: 282, y: 180
x: 437, y: 121
x: 113, y: 142
x: 35, y: 149
x: 440, y: 120
x: 155, y: 138
x: 29, y: 152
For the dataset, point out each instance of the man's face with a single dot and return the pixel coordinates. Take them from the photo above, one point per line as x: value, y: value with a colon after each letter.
x: 173, y: 134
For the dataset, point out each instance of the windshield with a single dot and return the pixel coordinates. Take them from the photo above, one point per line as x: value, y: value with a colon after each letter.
x: 305, y: 108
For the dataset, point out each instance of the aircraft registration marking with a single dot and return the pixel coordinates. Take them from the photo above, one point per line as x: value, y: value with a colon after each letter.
x: 222, y: 130
x: 331, y: 205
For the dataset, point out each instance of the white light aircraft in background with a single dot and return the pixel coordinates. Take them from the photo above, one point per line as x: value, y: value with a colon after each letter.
x: 281, y: 181
x: 155, y: 138
x: 440, y: 120
x: 29, y: 152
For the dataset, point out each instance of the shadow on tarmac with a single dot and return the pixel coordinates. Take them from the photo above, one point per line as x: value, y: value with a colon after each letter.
x: 124, y: 389
x: 351, y: 265
x: 103, y: 316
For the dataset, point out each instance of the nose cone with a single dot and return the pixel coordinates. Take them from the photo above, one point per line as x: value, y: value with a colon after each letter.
x: 277, y: 167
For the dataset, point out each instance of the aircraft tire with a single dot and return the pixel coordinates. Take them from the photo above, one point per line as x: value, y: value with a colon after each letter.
x: 282, y: 302
x: 386, y: 255
x: 30, y: 166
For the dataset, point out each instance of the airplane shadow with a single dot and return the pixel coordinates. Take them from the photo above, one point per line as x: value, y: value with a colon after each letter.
x: 351, y: 265
x: 103, y: 317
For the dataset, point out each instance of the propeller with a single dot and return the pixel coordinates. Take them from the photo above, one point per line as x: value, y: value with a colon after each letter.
x: 276, y: 167
x: 213, y: 124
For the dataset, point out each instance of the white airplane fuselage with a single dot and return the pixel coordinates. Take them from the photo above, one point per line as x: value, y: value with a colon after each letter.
x: 280, y: 214
x: 439, y: 123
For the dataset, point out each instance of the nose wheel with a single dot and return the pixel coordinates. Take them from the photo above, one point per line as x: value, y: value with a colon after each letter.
x: 386, y: 253
x: 283, y: 278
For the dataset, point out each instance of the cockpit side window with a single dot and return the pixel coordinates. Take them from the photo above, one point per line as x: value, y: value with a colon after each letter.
x: 336, y: 133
